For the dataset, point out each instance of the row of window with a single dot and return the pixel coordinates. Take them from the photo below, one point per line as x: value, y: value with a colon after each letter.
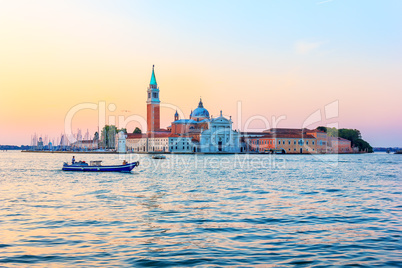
x: 263, y: 142
x: 171, y: 147
x: 262, y: 149
x: 176, y: 143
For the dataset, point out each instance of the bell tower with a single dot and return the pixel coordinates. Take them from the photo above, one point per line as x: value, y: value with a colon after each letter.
x: 153, y: 109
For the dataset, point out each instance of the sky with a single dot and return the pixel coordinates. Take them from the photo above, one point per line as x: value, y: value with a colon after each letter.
x: 264, y: 63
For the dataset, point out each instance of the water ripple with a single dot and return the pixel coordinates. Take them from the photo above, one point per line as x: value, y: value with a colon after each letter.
x: 288, y: 211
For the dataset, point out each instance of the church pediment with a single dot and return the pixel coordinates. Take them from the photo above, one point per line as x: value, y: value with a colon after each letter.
x: 220, y: 120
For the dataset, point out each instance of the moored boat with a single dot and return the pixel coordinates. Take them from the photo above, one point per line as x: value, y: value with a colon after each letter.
x: 95, y: 166
x: 158, y: 157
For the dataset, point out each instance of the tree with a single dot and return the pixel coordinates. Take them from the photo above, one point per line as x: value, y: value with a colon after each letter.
x: 96, y: 136
x: 332, y: 132
x: 137, y: 130
x: 363, y: 145
x: 353, y: 135
x: 108, y: 135
x: 350, y: 134
x: 321, y: 128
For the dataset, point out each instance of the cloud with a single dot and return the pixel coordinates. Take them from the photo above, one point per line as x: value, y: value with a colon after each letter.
x: 304, y: 47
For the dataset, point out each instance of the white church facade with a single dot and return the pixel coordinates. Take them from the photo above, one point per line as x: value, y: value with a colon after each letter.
x: 219, y: 137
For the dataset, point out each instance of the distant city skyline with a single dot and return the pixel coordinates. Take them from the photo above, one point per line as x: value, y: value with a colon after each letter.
x: 272, y: 58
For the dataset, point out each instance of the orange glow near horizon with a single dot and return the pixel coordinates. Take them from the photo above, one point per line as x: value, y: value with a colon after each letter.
x: 57, y: 55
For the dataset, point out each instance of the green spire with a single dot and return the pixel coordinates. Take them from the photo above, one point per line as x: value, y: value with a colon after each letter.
x: 153, y: 79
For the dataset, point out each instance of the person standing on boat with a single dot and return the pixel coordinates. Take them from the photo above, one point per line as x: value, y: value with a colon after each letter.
x: 73, y: 161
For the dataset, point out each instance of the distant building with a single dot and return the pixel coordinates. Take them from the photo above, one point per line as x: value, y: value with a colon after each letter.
x: 289, y: 141
x: 199, y: 133
x: 322, y: 140
x: 338, y: 145
x: 182, y: 144
x: 121, y: 142
x: 220, y: 137
x: 136, y: 142
x: 85, y: 145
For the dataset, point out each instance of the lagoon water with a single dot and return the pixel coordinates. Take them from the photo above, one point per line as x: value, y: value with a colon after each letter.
x: 202, y: 210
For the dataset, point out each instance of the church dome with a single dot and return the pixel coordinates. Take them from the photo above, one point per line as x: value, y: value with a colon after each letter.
x: 200, y: 111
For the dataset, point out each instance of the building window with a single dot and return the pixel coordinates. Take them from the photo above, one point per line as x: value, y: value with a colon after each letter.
x: 313, y: 142
x: 294, y: 143
x: 279, y: 142
x: 289, y: 143
x: 307, y: 142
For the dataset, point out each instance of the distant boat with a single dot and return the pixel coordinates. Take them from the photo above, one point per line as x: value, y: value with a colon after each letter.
x: 95, y: 166
x: 398, y: 152
x: 158, y: 157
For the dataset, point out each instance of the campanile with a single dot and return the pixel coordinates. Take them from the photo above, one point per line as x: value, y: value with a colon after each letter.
x: 153, y: 109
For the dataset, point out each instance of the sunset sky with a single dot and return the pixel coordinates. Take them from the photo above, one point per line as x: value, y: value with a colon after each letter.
x: 272, y: 58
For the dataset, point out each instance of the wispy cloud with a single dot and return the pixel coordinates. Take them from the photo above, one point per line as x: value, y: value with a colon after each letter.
x: 305, y: 47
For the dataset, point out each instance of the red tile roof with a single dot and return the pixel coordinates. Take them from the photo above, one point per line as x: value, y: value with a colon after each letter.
x: 135, y: 136
x: 173, y: 135
x: 158, y: 134
x: 315, y: 131
x: 285, y: 136
x: 285, y: 130
x: 294, y: 136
